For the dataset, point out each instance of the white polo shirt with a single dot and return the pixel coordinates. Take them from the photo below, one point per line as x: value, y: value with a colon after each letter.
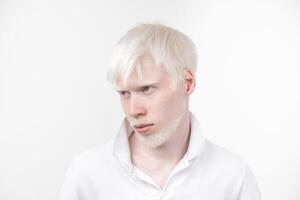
x: 206, y: 172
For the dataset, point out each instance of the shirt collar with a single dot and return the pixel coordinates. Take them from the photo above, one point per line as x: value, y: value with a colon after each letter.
x: 120, y: 146
x: 121, y: 150
x: 197, y: 139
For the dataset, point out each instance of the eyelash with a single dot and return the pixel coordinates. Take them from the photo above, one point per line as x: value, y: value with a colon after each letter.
x: 124, y: 93
x: 145, y: 90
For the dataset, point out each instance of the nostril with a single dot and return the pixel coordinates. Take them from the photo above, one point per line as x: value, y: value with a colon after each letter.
x: 137, y: 110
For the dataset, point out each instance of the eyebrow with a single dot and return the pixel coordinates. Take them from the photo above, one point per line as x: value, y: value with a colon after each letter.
x: 141, y: 87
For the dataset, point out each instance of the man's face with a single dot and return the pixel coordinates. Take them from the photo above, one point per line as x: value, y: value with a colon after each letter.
x: 152, y: 104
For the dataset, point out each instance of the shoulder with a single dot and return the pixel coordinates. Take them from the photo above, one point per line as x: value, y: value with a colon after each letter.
x: 232, y: 169
x: 220, y: 153
x: 222, y: 160
x: 93, y: 158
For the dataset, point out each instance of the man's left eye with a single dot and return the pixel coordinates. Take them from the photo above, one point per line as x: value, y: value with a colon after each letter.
x: 147, y: 89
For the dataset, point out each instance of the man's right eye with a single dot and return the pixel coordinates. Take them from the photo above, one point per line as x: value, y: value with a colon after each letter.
x: 124, y: 94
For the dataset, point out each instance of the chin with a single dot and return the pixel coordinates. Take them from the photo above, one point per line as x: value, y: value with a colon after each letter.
x: 153, y: 145
x: 156, y: 140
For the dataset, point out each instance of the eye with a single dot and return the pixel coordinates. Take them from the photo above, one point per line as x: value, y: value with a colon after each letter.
x: 147, y: 89
x: 124, y: 94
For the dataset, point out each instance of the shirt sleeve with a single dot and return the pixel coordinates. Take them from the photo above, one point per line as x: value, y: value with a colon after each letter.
x: 69, y: 190
x: 249, y: 189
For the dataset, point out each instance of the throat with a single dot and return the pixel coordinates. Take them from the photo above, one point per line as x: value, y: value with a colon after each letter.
x: 157, y: 163
x: 159, y: 171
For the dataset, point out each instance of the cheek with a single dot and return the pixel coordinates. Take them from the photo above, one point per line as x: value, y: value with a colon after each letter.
x: 165, y: 103
x: 125, y: 107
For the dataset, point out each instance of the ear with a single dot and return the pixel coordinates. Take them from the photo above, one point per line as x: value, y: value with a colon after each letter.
x: 189, y: 81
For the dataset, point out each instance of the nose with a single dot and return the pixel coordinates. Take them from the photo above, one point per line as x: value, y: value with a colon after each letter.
x: 136, y: 108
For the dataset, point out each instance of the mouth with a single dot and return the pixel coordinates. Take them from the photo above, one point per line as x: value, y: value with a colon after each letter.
x: 143, y: 128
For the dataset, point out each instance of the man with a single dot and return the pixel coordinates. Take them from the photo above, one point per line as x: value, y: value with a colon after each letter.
x: 160, y: 151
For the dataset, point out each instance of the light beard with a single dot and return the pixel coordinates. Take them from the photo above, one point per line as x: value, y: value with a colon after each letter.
x: 160, y: 137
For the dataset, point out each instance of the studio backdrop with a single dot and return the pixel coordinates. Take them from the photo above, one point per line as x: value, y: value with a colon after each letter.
x: 55, y: 101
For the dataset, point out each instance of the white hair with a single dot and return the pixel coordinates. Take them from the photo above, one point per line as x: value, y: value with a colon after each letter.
x: 167, y: 47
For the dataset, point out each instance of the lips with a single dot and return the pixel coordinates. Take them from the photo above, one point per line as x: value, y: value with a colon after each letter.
x: 143, y: 128
x: 142, y: 125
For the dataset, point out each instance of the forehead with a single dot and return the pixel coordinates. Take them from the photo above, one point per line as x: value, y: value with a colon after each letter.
x: 150, y: 73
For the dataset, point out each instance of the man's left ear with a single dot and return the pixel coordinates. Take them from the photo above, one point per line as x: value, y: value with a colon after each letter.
x: 189, y: 81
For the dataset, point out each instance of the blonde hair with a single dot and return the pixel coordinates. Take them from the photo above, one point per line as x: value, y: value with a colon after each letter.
x: 166, y: 46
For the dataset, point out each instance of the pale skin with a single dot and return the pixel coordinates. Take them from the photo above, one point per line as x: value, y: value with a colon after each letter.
x: 154, y: 100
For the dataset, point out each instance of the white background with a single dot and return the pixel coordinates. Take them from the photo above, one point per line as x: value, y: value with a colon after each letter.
x: 55, y: 102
